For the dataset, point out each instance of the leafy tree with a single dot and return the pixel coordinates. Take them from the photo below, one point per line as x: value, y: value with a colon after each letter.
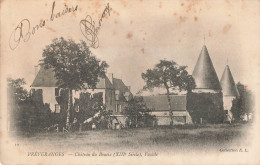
x: 83, y: 107
x: 137, y: 112
x: 16, y: 94
x: 74, y: 65
x: 244, y: 103
x: 16, y: 89
x: 169, y: 75
x: 27, y: 112
x: 236, y: 108
x: 247, y: 98
x: 86, y: 106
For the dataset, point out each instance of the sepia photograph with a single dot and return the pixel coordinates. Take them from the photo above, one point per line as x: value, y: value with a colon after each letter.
x: 130, y: 82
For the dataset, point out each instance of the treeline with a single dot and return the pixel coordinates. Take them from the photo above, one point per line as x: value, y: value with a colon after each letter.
x: 243, y: 106
x: 25, y: 112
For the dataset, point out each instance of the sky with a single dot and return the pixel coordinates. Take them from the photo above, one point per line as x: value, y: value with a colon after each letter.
x: 139, y: 33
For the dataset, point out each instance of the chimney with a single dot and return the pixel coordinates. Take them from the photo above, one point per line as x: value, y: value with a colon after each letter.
x: 36, y: 70
x: 110, y: 77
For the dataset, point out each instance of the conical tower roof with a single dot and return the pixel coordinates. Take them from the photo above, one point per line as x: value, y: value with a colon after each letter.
x: 204, y: 73
x: 228, y: 84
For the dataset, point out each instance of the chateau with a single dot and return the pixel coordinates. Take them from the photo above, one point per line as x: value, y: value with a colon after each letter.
x: 115, y: 93
x: 209, y: 102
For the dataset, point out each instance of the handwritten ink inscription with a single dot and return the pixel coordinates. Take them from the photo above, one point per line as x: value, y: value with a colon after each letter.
x: 23, y: 31
x: 90, y: 30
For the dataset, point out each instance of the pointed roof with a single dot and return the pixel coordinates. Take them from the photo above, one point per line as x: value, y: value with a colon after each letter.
x: 46, y: 78
x: 204, y: 73
x: 228, y: 84
x: 118, y: 84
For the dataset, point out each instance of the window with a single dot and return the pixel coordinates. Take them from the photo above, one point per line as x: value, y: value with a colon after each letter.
x: 57, y: 108
x: 117, y: 94
x: 118, y: 108
x: 126, y: 95
x: 32, y: 91
x: 77, y: 108
x: 57, y: 92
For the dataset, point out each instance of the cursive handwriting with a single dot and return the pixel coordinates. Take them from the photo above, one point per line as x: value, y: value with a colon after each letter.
x: 23, y: 30
x: 90, y: 31
x: 59, y: 14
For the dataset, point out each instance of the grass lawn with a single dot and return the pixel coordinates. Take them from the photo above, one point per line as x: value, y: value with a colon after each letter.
x: 179, y: 138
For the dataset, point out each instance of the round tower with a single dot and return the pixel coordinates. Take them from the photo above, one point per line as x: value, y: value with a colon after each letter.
x: 229, y: 88
x: 205, y: 102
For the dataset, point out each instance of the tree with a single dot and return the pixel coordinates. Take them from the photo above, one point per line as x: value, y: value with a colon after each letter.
x: 236, y: 108
x: 16, y: 89
x: 74, y: 65
x: 169, y: 75
x: 26, y: 112
x: 87, y: 106
x: 247, y: 98
x: 137, y: 112
x: 16, y: 94
x: 243, y: 104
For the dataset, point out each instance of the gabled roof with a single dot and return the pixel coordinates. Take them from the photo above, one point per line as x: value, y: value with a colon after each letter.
x: 204, y: 73
x: 46, y: 78
x: 160, y: 102
x: 118, y: 84
x: 228, y: 84
x: 104, y: 83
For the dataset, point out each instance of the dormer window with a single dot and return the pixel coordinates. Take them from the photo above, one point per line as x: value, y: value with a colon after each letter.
x: 126, y: 95
x: 117, y: 94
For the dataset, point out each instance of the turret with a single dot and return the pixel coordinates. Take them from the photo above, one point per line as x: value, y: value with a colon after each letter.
x: 229, y: 88
x: 205, y: 102
x: 228, y: 84
x: 205, y: 75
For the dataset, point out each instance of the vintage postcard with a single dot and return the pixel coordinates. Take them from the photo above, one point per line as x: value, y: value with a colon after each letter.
x: 130, y: 82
